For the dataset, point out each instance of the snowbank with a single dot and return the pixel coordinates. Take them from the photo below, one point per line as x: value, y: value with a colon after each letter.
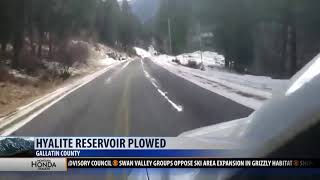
x: 247, y: 90
x: 142, y: 53
x: 209, y: 59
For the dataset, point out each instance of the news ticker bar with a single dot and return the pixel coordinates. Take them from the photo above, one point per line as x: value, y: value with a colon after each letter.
x: 63, y: 164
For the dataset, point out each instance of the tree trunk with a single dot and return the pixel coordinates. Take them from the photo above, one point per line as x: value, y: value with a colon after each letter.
x: 3, y: 47
x: 19, y: 32
x: 284, y: 56
x: 41, y: 35
x: 293, y: 49
x: 30, y: 26
x: 227, y: 62
x: 33, y: 48
x: 292, y: 35
x: 50, y: 45
x: 290, y: 40
x: 18, y: 46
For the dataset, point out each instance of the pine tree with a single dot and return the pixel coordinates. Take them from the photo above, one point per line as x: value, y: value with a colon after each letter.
x: 127, y: 26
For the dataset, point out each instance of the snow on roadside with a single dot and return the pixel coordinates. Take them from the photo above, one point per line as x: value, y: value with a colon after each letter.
x: 18, y: 74
x: 106, y: 61
x: 209, y: 59
x: 142, y: 53
x: 100, y: 56
x: 247, y: 90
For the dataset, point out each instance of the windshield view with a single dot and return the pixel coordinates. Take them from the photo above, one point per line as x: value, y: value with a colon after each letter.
x: 159, y: 89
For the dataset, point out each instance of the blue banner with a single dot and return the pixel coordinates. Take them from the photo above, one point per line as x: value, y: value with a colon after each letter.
x: 134, y: 153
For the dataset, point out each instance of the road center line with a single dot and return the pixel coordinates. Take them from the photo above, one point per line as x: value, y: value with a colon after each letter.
x: 164, y: 94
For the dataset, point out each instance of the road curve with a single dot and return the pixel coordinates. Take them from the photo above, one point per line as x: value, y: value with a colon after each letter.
x: 138, y: 98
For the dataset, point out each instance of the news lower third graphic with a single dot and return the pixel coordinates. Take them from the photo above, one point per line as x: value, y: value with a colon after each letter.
x: 64, y: 153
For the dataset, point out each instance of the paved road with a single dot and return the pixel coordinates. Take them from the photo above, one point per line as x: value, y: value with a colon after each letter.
x: 124, y: 102
x: 135, y: 99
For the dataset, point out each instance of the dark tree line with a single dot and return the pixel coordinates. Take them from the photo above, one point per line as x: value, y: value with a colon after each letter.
x: 42, y: 27
x: 274, y: 37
